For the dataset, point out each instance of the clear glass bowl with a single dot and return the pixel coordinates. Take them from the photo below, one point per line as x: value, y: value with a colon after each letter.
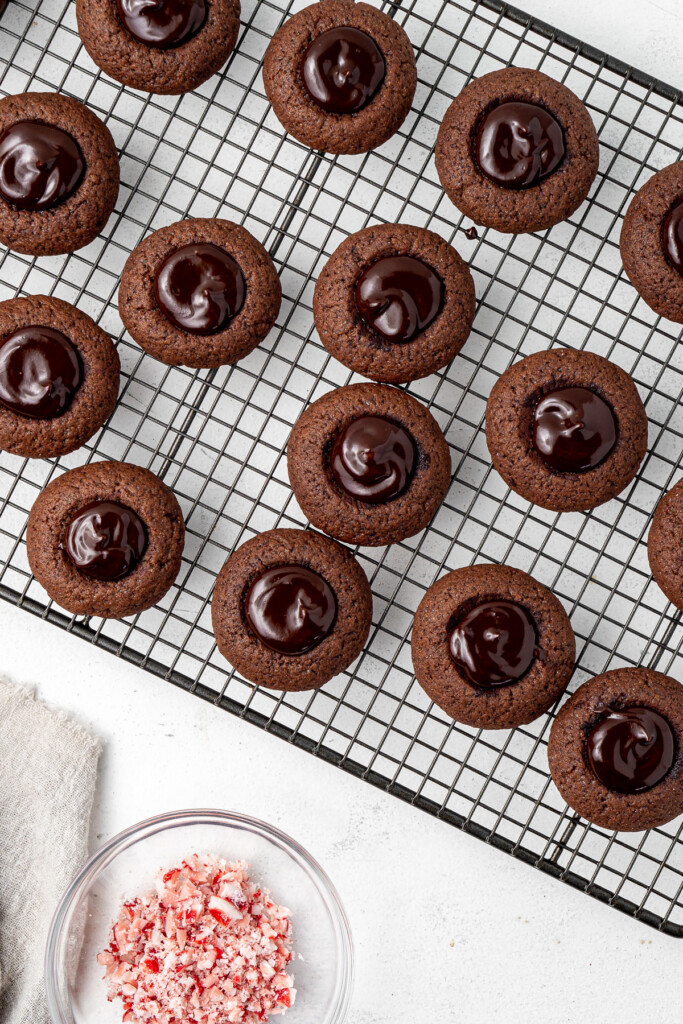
x: 125, y: 867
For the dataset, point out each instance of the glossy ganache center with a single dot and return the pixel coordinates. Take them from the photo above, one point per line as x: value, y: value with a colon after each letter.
x: 398, y: 297
x: 40, y: 165
x: 519, y: 144
x: 291, y: 609
x: 574, y: 429
x: 632, y: 750
x: 672, y: 236
x: 373, y: 459
x: 342, y: 70
x: 105, y: 540
x: 495, y: 643
x: 200, y: 288
x: 40, y: 372
x: 162, y: 24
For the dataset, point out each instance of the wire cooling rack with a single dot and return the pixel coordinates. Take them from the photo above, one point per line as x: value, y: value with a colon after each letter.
x: 218, y: 437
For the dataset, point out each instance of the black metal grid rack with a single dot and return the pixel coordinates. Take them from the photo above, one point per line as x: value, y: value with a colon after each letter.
x: 218, y: 437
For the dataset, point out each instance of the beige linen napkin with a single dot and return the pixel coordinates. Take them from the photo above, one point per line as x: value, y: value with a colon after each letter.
x: 48, y: 768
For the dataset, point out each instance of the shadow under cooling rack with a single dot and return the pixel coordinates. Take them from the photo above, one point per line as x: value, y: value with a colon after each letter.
x: 218, y: 438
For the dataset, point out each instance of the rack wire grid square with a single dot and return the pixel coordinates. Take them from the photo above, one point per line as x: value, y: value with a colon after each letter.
x: 218, y: 438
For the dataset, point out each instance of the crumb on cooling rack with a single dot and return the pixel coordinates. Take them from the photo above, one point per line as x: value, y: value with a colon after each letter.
x: 207, y: 947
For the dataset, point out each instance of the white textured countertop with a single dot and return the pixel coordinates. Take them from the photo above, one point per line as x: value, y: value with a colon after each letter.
x: 445, y: 928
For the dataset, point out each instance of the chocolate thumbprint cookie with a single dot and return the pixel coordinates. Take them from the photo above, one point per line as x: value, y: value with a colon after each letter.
x: 394, y: 302
x: 665, y: 544
x: 59, y: 377
x: 368, y: 464
x: 160, y: 46
x: 291, y: 609
x: 517, y: 151
x: 59, y: 174
x: 340, y: 76
x: 199, y: 293
x: 492, y: 647
x: 652, y: 242
x: 615, y: 750
x: 566, y: 429
x: 106, y: 539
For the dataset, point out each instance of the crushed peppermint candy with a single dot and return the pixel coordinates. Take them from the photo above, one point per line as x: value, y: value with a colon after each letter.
x: 208, y: 947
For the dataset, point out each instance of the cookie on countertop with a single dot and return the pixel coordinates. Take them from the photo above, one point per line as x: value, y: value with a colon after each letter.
x: 340, y: 76
x: 665, y: 544
x: 652, y: 242
x: 199, y: 293
x: 105, y: 539
x: 159, y: 46
x: 59, y: 174
x: 368, y: 464
x: 492, y: 646
x: 616, y: 750
x: 394, y: 302
x: 566, y: 429
x: 59, y: 377
x: 291, y: 609
x: 517, y: 151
